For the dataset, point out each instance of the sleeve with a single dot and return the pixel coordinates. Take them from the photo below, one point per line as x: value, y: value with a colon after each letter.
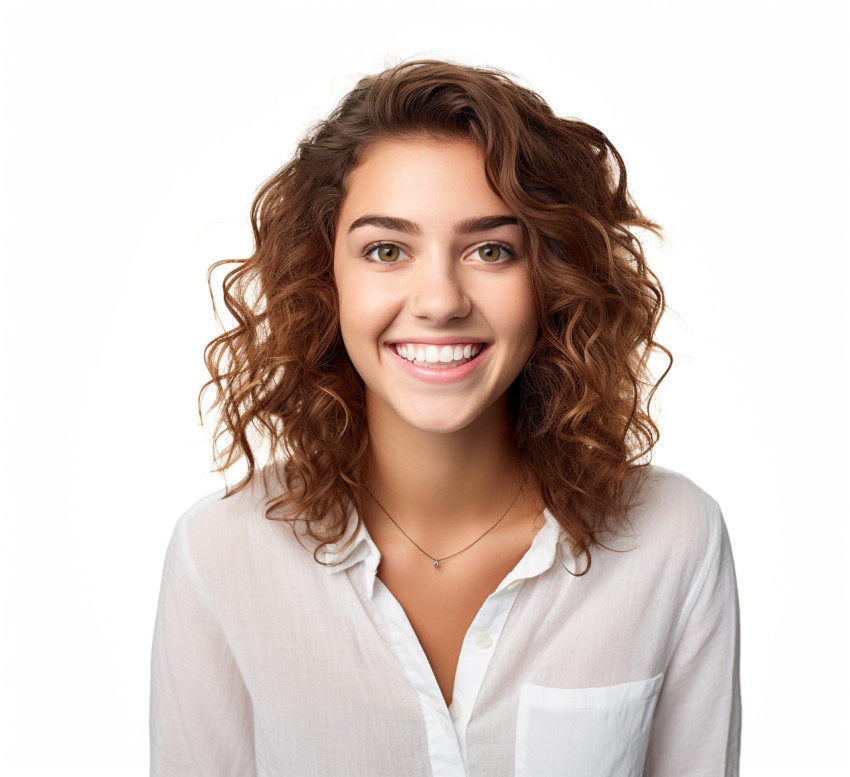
x: 696, y: 728
x: 201, y: 718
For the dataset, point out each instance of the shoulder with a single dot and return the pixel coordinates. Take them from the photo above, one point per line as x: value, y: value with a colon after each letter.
x: 217, y: 519
x: 675, y: 521
x: 223, y: 537
x: 669, y: 502
x: 666, y: 490
x: 674, y: 552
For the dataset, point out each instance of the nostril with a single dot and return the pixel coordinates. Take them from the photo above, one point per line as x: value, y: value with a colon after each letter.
x: 441, y: 306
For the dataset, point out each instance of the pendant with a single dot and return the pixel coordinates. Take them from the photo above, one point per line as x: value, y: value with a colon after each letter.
x: 436, y: 563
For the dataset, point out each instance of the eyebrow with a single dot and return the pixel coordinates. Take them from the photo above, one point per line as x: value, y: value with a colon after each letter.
x: 464, y: 227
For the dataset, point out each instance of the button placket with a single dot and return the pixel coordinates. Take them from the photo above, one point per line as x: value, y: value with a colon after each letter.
x: 446, y: 752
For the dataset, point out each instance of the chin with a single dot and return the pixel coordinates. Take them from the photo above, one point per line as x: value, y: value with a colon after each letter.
x: 446, y: 428
x: 438, y: 418
x: 441, y: 414
x: 436, y: 425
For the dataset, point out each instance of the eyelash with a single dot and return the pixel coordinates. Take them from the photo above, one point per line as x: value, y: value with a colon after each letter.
x: 511, y: 254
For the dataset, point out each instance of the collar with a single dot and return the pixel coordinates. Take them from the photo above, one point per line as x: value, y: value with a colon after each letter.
x: 356, y: 545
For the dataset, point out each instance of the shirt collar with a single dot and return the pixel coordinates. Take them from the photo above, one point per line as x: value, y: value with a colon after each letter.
x: 549, y: 544
x: 356, y: 545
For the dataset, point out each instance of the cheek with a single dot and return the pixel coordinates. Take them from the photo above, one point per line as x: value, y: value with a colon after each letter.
x: 352, y: 324
x: 349, y: 297
x: 519, y: 315
x: 362, y: 315
x: 347, y: 317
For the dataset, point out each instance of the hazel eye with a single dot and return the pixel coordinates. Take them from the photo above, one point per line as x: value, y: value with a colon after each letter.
x: 386, y: 253
x: 492, y: 252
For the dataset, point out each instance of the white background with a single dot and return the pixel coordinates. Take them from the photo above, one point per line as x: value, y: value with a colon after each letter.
x: 134, y: 137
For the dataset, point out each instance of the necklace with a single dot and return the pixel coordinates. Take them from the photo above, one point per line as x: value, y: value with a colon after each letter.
x: 452, y: 555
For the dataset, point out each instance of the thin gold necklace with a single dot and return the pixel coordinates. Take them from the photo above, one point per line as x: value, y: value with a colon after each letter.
x: 452, y: 555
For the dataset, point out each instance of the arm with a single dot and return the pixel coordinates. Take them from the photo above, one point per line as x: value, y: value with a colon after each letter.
x: 697, y: 724
x: 201, y: 714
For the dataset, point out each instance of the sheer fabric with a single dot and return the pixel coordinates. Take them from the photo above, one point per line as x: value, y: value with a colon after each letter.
x: 267, y: 663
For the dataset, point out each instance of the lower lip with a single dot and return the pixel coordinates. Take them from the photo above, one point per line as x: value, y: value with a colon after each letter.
x: 441, y: 376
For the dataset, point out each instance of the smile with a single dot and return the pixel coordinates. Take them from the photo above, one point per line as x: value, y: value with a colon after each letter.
x: 438, y: 357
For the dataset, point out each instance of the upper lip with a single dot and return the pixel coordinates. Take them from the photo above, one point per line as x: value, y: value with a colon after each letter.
x: 444, y: 340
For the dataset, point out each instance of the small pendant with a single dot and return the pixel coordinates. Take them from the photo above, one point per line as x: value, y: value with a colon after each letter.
x: 436, y: 563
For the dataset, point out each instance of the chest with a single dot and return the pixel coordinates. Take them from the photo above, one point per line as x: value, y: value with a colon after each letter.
x: 441, y: 603
x: 322, y: 666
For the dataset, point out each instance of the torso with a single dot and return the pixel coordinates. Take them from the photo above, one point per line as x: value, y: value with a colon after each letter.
x: 441, y: 603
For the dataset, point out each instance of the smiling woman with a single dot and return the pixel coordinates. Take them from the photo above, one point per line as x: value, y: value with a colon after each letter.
x: 442, y: 339
x: 443, y: 273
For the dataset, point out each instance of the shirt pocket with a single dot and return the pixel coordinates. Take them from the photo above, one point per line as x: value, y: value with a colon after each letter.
x: 585, y: 732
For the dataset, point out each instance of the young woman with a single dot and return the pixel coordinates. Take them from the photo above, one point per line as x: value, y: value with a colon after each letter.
x: 455, y: 559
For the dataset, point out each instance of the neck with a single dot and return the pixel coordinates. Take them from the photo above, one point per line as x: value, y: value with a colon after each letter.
x: 436, y: 485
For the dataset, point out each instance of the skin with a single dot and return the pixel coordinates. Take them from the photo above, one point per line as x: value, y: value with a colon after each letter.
x: 440, y: 459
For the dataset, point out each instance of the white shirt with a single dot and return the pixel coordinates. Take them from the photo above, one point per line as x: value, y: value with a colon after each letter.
x: 268, y: 663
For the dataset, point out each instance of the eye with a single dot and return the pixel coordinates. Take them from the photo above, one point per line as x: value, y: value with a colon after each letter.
x: 493, y: 252
x: 387, y: 253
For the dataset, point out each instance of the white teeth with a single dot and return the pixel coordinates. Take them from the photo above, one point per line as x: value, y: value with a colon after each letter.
x: 422, y: 353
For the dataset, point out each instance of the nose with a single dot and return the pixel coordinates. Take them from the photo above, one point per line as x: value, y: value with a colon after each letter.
x: 439, y: 294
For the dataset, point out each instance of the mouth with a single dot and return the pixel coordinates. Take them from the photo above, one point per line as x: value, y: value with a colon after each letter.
x: 438, y: 357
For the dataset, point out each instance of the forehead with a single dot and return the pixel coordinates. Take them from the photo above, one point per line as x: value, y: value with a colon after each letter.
x: 422, y: 179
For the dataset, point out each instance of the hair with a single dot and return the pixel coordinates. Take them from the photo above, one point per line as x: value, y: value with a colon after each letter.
x: 579, y: 410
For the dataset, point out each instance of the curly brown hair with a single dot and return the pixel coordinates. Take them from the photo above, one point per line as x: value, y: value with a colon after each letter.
x: 580, y: 408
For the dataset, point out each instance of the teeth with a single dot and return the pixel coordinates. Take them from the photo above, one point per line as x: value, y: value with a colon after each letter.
x: 422, y: 353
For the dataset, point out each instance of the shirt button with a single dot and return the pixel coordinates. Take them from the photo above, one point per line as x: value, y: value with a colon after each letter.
x: 454, y: 710
x: 483, y: 640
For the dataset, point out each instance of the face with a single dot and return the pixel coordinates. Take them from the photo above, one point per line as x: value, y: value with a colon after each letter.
x: 436, y: 307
